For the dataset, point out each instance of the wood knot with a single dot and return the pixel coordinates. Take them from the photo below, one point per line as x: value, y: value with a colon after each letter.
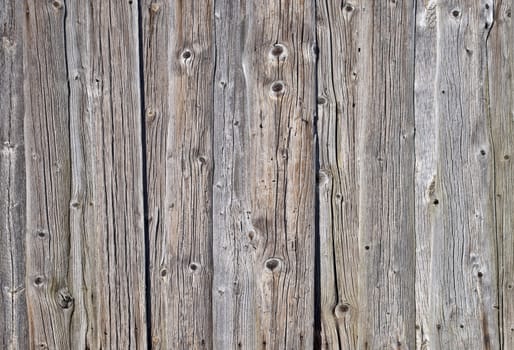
x: 341, y: 309
x: 150, y: 114
x: 277, y: 89
x: 506, y: 157
x: 186, y: 54
x: 194, y: 266
x: 39, y: 281
x: 57, y: 4
x: 348, y: 7
x: 64, y: 299
x: 278, y: 52
x: 455, y: 13
x: 321, y: 100
x: 163, y: 272
x: 272, y: 264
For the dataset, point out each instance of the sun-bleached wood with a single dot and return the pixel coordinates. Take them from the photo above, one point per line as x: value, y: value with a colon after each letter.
x: 263, y: 292
x: 179, y: 61
x: 85, y: 234
x: 456, y: 276
x: 13, y: 308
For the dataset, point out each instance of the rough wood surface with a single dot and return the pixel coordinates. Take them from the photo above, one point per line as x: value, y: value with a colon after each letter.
x: 500, y: 110
x: 456, y: 294
x: 236, y: 174
x: 85, y: 237
x: 366, y: 194
x: 179, y: 72
x: 263, y: 289
x: 13, y: 308
x: 341, y: 45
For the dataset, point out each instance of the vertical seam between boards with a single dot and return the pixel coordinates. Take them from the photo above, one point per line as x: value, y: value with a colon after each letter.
x: 144, y: 180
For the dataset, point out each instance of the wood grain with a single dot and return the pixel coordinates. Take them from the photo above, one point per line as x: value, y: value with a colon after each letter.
x: 13, y: 308
x: 263, y: 253
x: 456, y: 292
x: 85, y: 244
x: 366, y: 194
x: 179, y: 117
x: 500, y: 59
x: 340, y: 41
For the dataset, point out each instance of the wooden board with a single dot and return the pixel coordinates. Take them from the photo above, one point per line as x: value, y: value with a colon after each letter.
x: 179, y: 70
x: 500, y: 109
x: 263, y: 250
x: 85, y: 234
x: 13, y: 308
x: 366, y: 177
x: 456, y: 287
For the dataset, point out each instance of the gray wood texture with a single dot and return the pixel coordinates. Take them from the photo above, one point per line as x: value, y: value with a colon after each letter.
x: 85, y: 233
x: 13, y: 307
x: 236, y: 174
x: 264, y: 104
x: 456, y: 245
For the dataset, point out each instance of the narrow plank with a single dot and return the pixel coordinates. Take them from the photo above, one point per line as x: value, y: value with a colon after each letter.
x: 264, y: 184
x: 48, y: 169
x: 157, y: 58
x: 366, y: 177
x: 85, y: 260
x: 457, y: 281
x: 426, y: 163
x: 340, y: 41
x: 13, y: 308
x: 178, y: 53
x: 500, y: 54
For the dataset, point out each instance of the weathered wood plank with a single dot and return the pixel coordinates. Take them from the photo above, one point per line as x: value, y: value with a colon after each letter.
x: 339, y: 34
x: 179, y: 71
x: 13, y: 308
x: 85, y: 244
x: 263, y: 289
x: 366, y: 194
x: 500, y: 57
x: 456, y: 292
x: 386, y: 176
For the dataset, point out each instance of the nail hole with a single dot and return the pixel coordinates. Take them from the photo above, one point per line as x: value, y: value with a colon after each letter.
x: 480, y: 274
x: 436, y: 201
x: 438, y: 326
x: 163, y: 272
x: 461, y: 326
x: 366, y: 247
x: 41, y: 234
x: 487, y: 6
x: 455, y: 13
x: 348, y: 8
x: 193, y: 266
x: 272, y: 264
x: 508, y: 13
x: 482, y: 152
x: 443, y: 92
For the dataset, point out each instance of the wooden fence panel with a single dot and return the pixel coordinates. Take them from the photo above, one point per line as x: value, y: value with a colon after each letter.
x: 13, y: 307
x: 264, y: 178
x: 85, y: 234
x: 456, y: 290
x: 239, y: 174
